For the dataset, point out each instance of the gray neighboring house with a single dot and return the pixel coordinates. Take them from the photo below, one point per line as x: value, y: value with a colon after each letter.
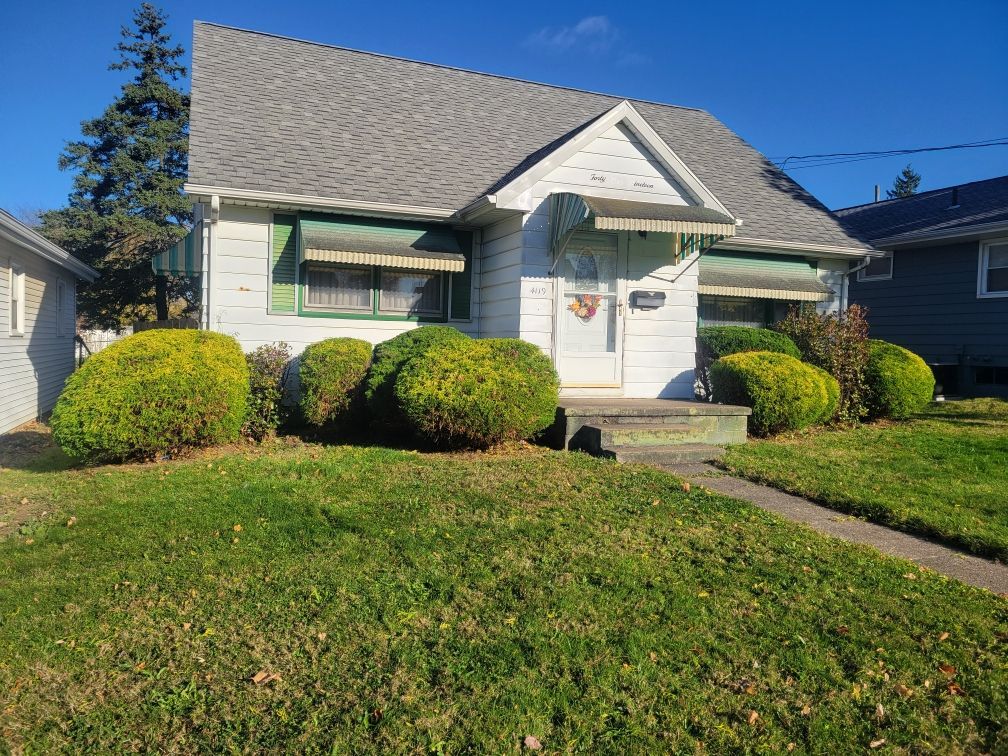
x: 942, y: 288
x: 38, y: 314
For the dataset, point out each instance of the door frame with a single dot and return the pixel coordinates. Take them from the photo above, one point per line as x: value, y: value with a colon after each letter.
x: 590, y: 388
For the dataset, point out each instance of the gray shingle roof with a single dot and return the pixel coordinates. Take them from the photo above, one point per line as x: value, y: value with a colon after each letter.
x: 276, y: 114
x: 930, y: 212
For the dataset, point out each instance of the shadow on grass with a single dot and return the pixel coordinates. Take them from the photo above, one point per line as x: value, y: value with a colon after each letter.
x: 32, y: 448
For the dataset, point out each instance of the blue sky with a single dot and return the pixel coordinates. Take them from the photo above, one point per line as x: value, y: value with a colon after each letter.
x: 790, y: 78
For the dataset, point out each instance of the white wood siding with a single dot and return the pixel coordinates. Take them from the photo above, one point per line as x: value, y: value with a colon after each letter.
x: 34, y: 367
x: 241, y: 263
x: 831, y: 273
x: 501, y: 271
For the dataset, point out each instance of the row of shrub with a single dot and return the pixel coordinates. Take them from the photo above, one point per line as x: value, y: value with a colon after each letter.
x: 833, y: 372
x: 162, y: 391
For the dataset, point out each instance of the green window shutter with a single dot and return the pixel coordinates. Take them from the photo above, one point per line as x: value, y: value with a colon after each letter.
x: 461, y: 283
x: 284, y: 262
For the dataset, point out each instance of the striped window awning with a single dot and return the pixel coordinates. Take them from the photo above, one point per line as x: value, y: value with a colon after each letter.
x: 391, y: 244
x: 182, y: 259
x: 741, y: 274
x: 569, y: 211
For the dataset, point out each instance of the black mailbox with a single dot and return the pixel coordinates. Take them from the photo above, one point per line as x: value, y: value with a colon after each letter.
x: 648, y: 300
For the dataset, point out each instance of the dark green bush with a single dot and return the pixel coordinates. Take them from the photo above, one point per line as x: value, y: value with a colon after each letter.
x: 784, y: 393
x: 389, y: 358
x: 715, y: 342
x: 269, y: 367
x: 899, y: 382
x: 154, y: 392
x: 478, y: 393
x: 331, y: 376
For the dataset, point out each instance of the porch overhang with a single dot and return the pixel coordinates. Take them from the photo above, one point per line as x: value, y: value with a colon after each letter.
x: 391, y: 244
x: 694, y: 228
x: 727, y: 274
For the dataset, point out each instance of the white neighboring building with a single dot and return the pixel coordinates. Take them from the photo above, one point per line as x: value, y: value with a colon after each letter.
x: 38, y: 320
x: 343, y: 193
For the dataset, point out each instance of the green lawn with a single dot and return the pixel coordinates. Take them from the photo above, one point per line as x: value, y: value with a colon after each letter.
x: 943, y: 474
x: 447, y: 603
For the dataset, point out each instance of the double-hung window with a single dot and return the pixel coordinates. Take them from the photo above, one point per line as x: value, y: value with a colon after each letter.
x: 337, y: 288
x: 992, y: 280
x: 16, y: 311
x: 410, y: 292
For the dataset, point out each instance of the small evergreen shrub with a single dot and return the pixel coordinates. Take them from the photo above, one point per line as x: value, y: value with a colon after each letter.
x: 714, y: 342
x: 155, y: 392
x: 899, y: 382
x: 475, y: 393
x: 837, y: 343
x: 784, y: 393
x: 331, y: 376
x: 389, y: 359
x: 832, y: 394
x: 269, y: 369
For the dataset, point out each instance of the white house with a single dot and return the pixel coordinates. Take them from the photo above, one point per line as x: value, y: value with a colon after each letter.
x: 38, y: 283
x: 345, y: 193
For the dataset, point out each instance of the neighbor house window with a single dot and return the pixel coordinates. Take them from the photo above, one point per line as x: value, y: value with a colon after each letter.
x: 993, y: 278
x: 60, y: 308
x: 991, y: 375
x: 16, y: 312
x: 879, y: 269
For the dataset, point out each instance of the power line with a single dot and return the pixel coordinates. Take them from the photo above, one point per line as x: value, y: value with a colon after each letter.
x: 836, y: 158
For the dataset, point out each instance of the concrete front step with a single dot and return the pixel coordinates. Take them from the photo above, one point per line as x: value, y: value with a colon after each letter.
x: 607, y: 436
x: 672, y: 454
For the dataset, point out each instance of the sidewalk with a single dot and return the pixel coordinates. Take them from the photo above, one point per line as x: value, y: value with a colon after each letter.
x: 983, y: 573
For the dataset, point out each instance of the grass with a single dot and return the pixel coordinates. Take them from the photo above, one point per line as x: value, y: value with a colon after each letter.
x: 447, y: 603
x: 942, y: 474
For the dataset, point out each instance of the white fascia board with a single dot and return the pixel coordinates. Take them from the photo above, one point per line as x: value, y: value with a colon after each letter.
x: 300, y: 201
x: 18, y: 233
x: 966, y: 233
x: 796, y: 248
x: 642, y: 129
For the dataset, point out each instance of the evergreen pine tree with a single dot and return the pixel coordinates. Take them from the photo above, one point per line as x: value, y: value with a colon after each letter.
x: 905, y: 184
x: 127, y: 203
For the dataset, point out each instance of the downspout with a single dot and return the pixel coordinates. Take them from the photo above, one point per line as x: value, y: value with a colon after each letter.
x: 209, y: 268
x: 846, y: 283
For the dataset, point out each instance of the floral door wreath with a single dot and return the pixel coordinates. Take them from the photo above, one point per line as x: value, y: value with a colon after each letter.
x: 585, y: 306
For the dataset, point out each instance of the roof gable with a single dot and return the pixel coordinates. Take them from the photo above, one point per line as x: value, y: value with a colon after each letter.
x: 618, y: 152
x: 326, y: 122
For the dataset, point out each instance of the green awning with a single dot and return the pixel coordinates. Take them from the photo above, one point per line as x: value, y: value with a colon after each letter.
x: 742, y: 274
x: 372, y: 241
x: 182, y: 259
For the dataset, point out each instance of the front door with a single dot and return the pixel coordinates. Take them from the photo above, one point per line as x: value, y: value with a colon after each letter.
x: 590, y: 312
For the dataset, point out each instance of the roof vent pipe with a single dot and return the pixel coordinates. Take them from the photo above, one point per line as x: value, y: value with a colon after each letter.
x: 955, y: 197
x: 878, y: 192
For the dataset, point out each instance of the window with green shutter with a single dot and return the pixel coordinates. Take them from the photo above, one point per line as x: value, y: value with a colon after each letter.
x: 461, y: 283
x: 284, y: 264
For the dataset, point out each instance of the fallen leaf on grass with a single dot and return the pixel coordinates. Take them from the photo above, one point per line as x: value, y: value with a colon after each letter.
x: 532, y: 743
x: 903, y: 690
x: 686, y: 486
x: 753, y: 716
x: 879, y: 711
x: 262, y: 677
x: 71, y: 522
x: 942, y: 637
x: 877, y: 743
x: 955, y: 690
x: 236, y: 528
x: 843, y: 630
x: 806, y: 710
x: 947, y: 669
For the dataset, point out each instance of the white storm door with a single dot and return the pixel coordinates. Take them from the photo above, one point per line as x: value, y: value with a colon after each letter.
x: 590, y: 316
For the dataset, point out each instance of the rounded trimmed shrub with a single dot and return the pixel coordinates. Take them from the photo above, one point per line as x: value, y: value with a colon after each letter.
x: 724, y: 340
x: 389, y: 359
x: 715, y: 342
x: 784, y: 393
x: 154, y: 392
x: 832, y: 387
x: 899, y: 382
x: 331, y: 376
x: 475, y: 393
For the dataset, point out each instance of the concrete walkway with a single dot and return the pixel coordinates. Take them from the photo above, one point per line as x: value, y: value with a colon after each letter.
x: 983, y: 573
